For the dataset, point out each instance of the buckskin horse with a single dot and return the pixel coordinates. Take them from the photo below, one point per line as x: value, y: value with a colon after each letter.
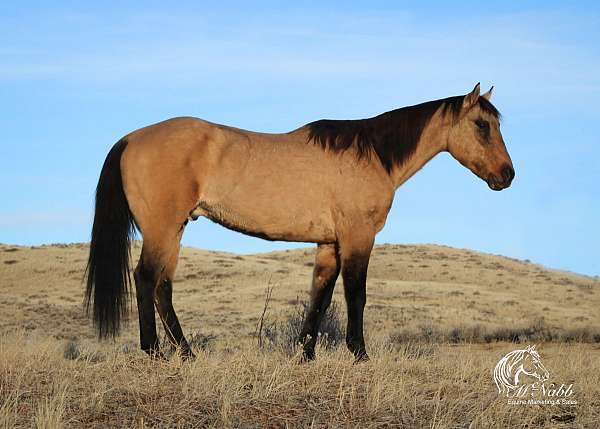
x: 330, y: 182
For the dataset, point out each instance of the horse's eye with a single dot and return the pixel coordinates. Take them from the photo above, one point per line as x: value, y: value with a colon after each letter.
x: 482, y: 125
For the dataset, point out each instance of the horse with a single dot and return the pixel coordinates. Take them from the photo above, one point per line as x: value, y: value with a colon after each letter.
x: 330, y: 182
x: 515, y: 364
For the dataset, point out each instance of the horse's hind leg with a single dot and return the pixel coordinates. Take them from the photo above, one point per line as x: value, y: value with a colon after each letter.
x: 325, y: 274
x: 153, y: 277
x: 164, y: 305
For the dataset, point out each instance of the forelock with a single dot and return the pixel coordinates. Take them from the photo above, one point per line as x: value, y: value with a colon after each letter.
x: 486, y: 106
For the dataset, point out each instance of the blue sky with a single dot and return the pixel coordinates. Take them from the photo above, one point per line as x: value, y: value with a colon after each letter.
x: 75, y: 77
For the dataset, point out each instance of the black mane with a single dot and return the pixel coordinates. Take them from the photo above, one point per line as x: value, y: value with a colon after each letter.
x: 392, y: 136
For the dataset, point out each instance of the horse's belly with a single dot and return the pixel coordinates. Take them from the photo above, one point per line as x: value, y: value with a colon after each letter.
x: 270, y: 221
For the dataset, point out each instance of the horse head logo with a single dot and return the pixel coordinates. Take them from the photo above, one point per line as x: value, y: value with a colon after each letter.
x: 515, y: 365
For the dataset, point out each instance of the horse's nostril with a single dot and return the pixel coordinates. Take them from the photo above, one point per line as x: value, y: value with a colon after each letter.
x: 508, y: 174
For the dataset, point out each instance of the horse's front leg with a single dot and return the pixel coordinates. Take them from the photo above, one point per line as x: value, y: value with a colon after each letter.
x: 325, y: 273
x: 355, y: 253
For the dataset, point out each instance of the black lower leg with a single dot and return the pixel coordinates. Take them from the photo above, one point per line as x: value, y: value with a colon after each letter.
x: 164, y: 304
x: 325, y: 275
x: 314, y: 316
x: 144, y: 281
x: 355, y: 282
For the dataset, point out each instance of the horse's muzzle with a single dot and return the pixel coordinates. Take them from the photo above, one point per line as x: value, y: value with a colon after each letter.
x: 497, y: 184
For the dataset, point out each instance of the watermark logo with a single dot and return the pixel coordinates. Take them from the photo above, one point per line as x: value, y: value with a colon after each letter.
x: 524, y: 380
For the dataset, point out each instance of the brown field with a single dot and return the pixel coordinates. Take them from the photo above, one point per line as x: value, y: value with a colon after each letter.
x: 436, y: 319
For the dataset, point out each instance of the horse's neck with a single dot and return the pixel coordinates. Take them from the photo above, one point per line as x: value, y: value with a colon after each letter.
x: 433, y: 140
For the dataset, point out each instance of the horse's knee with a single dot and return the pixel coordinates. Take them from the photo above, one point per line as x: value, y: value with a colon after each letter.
x: 323, y: 275
x: 327, y: 266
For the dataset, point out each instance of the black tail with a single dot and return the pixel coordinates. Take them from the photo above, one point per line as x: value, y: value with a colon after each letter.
x: 108, y: 281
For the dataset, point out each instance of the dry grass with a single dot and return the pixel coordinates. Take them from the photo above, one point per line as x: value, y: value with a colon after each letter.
x: 240, y: 386
x: 436, y: 324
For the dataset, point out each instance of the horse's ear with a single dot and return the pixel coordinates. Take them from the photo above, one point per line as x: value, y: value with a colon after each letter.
x: 471, y: 98
x: 488, y: 95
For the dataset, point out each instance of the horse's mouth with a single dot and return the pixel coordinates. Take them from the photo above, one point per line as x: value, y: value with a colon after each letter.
x: 495, y: 184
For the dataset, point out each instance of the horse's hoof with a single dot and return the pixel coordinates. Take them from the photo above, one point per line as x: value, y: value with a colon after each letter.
x: 307, y: 356
x: 188, y: 356
x: 156, y: 355
x: 361, y: 357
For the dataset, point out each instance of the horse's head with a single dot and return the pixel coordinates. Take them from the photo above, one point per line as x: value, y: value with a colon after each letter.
x: 532, y: 365
x: 476, y: 142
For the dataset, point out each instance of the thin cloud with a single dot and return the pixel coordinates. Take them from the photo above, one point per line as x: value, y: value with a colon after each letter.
x: 396, y: 47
